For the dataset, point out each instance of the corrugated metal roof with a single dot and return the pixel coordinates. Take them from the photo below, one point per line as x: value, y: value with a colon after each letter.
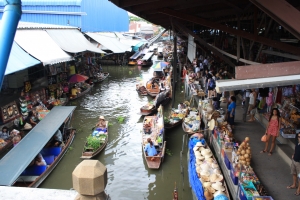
x: 111, y: 43
x: 40, y: 45
x: 32, y: 25
x: 72, y: 41
x: 47, y: 2
x: 19, y: 60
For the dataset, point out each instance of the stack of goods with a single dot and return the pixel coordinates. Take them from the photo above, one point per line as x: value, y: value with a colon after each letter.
x: 225, y: 135
x: 244, y: 153
x: 2, y: 143
x: 192, y: 121
x: 176, y: 116
x: 208, y: 172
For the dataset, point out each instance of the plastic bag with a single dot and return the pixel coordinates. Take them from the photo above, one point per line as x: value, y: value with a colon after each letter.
x: 264, y: 138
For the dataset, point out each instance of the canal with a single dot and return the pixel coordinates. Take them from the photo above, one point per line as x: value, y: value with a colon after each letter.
x: 128, y: 174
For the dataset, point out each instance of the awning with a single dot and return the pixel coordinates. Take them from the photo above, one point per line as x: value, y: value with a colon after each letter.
x: 19, y: 157
x: 147, y: 56
x: 19, y: 60
x: 41, y: 46
x: 232, y: 84
x: 136, y: 55
x: 72, y: 41
x: 129, y: 42
x: 111, y: 43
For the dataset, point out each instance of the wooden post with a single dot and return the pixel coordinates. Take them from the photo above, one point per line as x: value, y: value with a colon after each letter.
x: 174, y: 66
x: 238, y: 42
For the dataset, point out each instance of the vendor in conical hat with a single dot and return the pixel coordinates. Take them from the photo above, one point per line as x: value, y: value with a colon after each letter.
x: 101, y: 123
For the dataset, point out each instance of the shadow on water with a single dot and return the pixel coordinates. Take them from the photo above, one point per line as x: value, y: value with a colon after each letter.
x: 128, y: 175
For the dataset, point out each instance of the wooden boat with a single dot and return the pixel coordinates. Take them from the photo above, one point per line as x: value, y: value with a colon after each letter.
x: 99, y: 78
x: 175, y: 193
x: 147, y: 109
x: 132, y: 62
x: 152, y: 87
x: 14, y: 166
x: 147, y: 63
x: 141, y: 90
x: 89, y: 87
x: 153, y: 127
x: 173, y: 120
x: 90, y: 152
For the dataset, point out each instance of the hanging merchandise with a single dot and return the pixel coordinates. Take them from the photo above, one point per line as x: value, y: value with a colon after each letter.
x: 27, y: 86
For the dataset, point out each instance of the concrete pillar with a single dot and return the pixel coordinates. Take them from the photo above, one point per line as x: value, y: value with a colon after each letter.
x: 89, y: 180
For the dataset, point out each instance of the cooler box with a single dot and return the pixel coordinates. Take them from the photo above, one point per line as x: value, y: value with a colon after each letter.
x: 262, y: 198
x: 245, y: 194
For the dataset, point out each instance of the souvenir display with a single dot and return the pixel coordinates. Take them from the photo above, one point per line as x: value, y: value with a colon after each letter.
x: 9, y: 112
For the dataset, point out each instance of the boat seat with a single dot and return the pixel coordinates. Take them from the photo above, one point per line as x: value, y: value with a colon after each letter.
x: 27, y: 178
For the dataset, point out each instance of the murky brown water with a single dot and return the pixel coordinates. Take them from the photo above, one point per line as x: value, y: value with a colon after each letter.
x: 128, y: 174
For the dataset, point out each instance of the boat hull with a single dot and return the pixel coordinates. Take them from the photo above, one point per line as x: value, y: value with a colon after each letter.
x: 82, y: 93
x: 100, y: 79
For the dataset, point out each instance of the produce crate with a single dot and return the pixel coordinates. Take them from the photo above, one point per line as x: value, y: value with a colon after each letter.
x: 245, y: 195
x: 262, y: 198
x: 287, y: 135
x: 234, y: 178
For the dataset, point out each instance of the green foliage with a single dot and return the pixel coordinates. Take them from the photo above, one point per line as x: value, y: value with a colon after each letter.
x: 166, y: 120
x: 95, y: 142
x: 70, y: 148
x: 110, y: 124
x: 130, y: 72
x: 121, y: 119
x: 168, y: 152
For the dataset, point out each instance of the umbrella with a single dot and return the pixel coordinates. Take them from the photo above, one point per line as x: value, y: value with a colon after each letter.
x: 159, y: 66
x: 77, y: 78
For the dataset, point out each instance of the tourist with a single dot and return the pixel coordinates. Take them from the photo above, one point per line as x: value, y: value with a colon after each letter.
x: 101, y: 123
x: 57, y: 139
x: 252, y: 105
x: 4, y: 134
x: 16, y: 139
x: 231, y: 111
x: 273, y: 129
x: 39, y: 160
x: 150, y: 148
x: 295, y: 167
x: 211, y: 84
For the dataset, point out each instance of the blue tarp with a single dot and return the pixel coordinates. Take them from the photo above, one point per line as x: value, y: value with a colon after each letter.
x: 136, y: 47
x: 19, y: 60
x: 193, y: 177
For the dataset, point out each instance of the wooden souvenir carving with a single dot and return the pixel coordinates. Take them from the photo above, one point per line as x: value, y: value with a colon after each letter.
x: 9, y: 112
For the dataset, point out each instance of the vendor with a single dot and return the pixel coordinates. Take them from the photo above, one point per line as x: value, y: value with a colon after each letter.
x: 74, y: 92
x: 150, y: 149
x: 101, y: 123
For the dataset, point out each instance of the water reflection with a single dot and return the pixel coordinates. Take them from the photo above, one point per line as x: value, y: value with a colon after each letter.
x: 128, y: 175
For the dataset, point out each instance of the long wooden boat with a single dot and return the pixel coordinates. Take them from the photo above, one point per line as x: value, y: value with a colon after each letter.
x: 197, y: 178
x: 156, y: 133
x: 8, y: 145
x: 82, y: 93
x: 153, y: 89
x: 132, y: 63
x: 175, y: 120
x: 141, y: 90
x: 147, y: 63
x: 98, y: 79
x: 15, y: 166
x: 89, y: 152
x: 147, y: 109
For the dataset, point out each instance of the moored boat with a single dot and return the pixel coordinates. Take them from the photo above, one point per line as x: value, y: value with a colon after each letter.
x: 141, y: 90
x: 15, y: 166
x: 99, y: 77
x: 153, y: 87
x: 148, y: 109
x: 191, y: 123
x: 95, y: 143
x: 175, y: 119
x: 153, y: 128
x: 87, y: 88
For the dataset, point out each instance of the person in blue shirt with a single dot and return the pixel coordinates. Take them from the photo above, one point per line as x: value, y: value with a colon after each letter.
x: 150, y: 148
x: 231, y: 111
